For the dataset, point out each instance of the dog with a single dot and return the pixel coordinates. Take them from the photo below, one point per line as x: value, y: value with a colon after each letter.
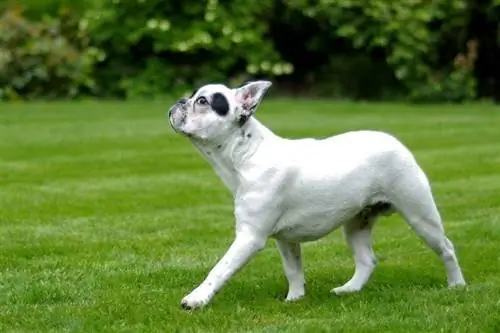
x: 300, y: 190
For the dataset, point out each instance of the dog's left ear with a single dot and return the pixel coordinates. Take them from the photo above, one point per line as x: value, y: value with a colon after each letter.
x: 249, y: 97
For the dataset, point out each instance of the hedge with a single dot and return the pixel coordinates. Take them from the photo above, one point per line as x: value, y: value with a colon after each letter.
x: 371, y: 49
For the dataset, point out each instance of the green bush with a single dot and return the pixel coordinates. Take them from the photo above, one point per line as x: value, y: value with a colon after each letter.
x: 38, y: 61
x: 155, y: 47
x: 404, y: 30
x: 148, y: 48
x: 36, y: 9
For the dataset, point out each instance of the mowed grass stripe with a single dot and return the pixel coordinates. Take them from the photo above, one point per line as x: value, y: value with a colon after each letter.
x: 107, y: 218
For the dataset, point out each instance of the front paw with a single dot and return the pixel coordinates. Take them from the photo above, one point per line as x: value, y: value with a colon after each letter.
x: 295, y: 295
x: 198, y: 298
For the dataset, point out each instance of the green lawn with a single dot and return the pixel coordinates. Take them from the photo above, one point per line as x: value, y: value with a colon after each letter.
x: 107, y: 219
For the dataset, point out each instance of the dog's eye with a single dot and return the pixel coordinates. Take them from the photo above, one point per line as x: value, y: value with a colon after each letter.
x: 202, y: 100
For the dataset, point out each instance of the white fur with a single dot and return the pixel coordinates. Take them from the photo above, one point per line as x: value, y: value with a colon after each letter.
x: 299, y: 190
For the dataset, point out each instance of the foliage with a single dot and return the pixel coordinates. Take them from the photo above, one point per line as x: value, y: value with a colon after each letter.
x: 403, y: 29
x: 38, y: 60
x: 458, y: 85
x: 36, y: 9
x: 167, y: 50
x: 146, y: 48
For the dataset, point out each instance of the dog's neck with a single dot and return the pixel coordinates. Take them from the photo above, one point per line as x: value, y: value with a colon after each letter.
x: 228, y: 154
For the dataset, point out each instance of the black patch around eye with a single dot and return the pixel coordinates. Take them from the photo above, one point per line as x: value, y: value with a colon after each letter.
x: 220, y: 104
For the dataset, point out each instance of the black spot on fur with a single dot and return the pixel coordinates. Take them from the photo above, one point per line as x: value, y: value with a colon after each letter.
x: 220, y: 104
x: 371, y: 212
x: 243, y: 119
x: 219, y: 146
x: 249, y: 135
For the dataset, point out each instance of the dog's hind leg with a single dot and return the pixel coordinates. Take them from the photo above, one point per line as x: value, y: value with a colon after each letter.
x: 358, y: 234
x: 291, y: 257
x: 412, y: 197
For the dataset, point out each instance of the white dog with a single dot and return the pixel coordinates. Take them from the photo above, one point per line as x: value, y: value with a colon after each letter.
x: 300, y: 190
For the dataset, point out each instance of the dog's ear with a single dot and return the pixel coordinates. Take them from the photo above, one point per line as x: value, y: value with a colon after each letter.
x: 249, y: 97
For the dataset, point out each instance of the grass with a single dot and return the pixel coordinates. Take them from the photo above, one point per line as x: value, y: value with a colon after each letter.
x: 107, y: 219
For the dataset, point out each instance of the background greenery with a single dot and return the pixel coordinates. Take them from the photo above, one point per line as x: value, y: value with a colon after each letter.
x: 364, y: 49
x: 107, y: 218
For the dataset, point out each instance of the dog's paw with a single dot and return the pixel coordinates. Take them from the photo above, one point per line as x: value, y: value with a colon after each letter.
x: 345, y: 289
x: 198, y: 298
x: 294, y: 295
x: 457, y: 284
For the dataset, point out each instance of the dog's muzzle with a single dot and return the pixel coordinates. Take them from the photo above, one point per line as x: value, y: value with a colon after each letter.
x: 180, y: 104
x: 177, y: 114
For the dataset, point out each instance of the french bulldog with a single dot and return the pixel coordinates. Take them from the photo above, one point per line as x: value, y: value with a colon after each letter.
x: 300, y: 190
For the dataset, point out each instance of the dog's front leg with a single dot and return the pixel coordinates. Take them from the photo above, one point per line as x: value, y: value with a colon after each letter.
x: 244, y: 247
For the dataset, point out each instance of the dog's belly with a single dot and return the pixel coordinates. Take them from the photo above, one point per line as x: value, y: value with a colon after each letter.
x: 303, y: 225
x: 316, y: 227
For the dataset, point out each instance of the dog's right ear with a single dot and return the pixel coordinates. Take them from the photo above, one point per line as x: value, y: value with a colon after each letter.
x: 249, y: 97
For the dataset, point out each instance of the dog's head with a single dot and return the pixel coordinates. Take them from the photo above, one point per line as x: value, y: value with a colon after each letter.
x: 214, y: 110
